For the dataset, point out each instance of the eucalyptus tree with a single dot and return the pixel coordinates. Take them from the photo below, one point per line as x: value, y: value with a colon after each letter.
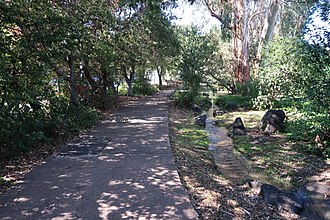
x: 251, y: 24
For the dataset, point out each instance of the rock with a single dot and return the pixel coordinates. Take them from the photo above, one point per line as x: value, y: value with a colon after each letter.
x: 197, y: 109
x: 217, y: 113
x: 201, y: 120
x: 272, y: 121
x: 289, y: 201
x: 238, y: 127
x: 254, y: 184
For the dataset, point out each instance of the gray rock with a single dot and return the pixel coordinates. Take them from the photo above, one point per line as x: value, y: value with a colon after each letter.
x: 289, y: 201
x: 197, y: 109
x: 254, y: 184
x: 217, y: 113
x: 272, y: 121
x: 201, y: 120
x: 238, y: 127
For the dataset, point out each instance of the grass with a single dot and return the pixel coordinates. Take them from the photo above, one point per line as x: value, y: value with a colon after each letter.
x: 212, y: 195
x: 276, y: 157
x: 250, y: 119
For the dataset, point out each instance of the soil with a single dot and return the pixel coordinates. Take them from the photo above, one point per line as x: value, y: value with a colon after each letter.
x: 219, y: 192
x: 213, y: 195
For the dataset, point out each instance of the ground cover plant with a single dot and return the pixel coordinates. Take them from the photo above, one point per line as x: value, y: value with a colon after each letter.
x: 281, y: 159
x: 212, y: 195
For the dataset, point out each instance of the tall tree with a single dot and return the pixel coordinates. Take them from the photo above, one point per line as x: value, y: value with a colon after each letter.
x: 251, y: 24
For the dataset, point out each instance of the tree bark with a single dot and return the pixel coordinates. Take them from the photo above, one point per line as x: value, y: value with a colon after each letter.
x: 72, y: 83
x: 129, y: 80
x: 160, y: 74
x: 240, y: 41
x: 269, y: 23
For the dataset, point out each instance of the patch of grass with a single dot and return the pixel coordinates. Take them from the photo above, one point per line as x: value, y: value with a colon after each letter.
x: 208, y: 190
x: 243, y: 145
x: 250, y: 119
x: 278, y: 158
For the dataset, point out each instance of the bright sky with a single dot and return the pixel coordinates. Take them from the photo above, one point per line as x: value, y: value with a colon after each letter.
x: 194, y: 14
x: 319, y: 23
x: 198, y: 15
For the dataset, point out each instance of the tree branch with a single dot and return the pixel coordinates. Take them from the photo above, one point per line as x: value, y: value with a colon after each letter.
x: 216, y: 16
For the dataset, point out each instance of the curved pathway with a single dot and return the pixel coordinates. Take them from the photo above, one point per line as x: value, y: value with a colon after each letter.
x: 121, y: 169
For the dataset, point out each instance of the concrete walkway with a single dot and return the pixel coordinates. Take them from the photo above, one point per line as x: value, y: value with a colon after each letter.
x: 122, y: 169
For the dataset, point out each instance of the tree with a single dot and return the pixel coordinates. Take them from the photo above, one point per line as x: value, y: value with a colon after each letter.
x: 195, y: 52
x: 251, y: 25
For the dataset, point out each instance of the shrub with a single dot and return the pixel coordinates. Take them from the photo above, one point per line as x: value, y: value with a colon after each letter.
x: 233, y: 102
x: 187, y: 99
x: 305, y: 129
x: 142, y: 86
x: 23, y: 128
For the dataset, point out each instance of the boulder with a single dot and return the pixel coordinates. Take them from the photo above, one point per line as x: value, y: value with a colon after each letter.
x: 217, y: 113
x: 272, y: 121
x: 201, y: 120
x: 197, y: 109
x: 238, y: 127
x: 289, y: 201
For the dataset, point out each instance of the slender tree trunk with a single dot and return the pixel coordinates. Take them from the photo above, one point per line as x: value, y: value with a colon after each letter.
x: 72, y: 83
x: 160, y: 74
x: 240, y: 41
x: 129, y: 80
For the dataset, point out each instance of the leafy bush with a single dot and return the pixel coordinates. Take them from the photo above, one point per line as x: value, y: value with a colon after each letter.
x: 305, y: 129
x: 294, y: 68
x: 23, y: 128
x: 233, y: 102
x: 142, y: 86
x: 248, y: 89
x: 187, y: 99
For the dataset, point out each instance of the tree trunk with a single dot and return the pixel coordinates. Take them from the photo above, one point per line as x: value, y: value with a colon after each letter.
x: 72, y: 83
x: 269, y: 23
x: 160, y: 74
x: 240, y: 41
x: 129, y: 80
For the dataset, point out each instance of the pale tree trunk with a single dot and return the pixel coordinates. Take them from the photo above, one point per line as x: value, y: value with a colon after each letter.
x: 240, y: 40
x: 269, y: 23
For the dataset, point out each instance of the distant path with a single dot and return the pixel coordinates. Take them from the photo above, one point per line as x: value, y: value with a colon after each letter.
x: 122, y: 169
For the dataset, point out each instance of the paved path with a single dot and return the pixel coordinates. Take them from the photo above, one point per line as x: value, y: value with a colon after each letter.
x: 119, y: 170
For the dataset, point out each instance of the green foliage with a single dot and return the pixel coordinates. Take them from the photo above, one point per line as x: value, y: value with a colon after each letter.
x: 187, y: 99
x: 304, y: 130
x: 293, y: 68
x: 248, y: 89
x: 23, y: 128
x: 195, y: 51
x: 142, y: 86
x: 233, y: 102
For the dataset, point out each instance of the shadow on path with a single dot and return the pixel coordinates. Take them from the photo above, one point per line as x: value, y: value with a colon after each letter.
x: 121, y: 169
